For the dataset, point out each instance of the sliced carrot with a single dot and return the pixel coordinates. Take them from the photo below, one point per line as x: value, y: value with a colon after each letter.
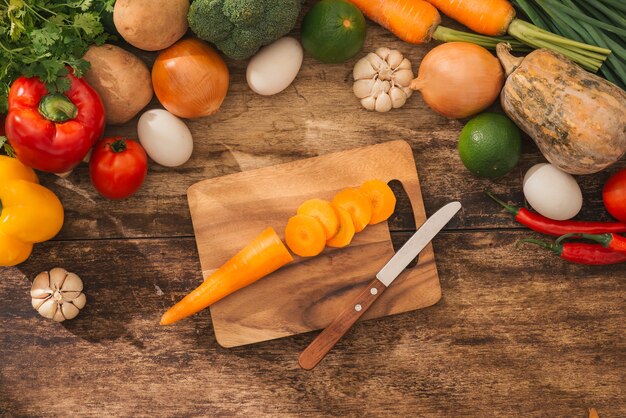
x: 324, y: 212
x: 305, y: 235
x: 346, y: 231
x: 262, y: 256
x: 357, y: 204
x: 382, y: 198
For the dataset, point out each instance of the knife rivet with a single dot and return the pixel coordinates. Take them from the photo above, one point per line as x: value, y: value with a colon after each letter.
x: 373, y: 290
x: 358, y: 308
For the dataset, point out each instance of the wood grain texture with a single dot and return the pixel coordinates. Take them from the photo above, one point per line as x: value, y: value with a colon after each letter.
x: 518, y: 332
x: 308, y: 294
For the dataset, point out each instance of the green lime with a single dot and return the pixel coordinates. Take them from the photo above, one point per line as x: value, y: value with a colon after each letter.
x: 333, y: 31
x: 490, y: 145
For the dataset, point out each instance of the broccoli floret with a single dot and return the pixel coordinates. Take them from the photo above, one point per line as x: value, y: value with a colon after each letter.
x: 239, y: 28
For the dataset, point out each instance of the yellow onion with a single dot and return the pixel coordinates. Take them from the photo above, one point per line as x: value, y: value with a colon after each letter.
x: 459, y: 79
x: 190, y: 79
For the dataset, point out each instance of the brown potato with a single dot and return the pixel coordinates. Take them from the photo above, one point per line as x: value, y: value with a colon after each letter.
x: 151, y: 25
x: 122, y: 80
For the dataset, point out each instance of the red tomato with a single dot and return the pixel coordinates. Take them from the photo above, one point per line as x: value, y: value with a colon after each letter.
x: 614, y: 195
x: 118, y: 167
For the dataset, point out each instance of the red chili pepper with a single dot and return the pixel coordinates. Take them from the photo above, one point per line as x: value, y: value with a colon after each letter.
x: 548, y: 226
x: 611, y: 241
x: 53, y: 132
x: 582, y: 253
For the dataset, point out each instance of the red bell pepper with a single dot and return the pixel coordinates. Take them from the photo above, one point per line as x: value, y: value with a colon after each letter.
x: 53, y: 132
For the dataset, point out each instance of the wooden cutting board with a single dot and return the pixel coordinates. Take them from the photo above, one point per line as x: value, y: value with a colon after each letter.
x: 229, y: 211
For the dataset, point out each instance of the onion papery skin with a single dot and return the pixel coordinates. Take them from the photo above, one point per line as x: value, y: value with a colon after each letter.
x: 190, y: 79
x: 459, y: 79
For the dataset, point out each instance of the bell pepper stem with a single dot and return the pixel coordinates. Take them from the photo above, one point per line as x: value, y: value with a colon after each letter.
x: 57, y: 108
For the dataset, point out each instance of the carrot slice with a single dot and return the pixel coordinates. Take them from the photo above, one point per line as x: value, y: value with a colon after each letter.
x: 357, y: 204
x: 305, y: 235
x: 382, y: 198
x: 262, y: 256
x: 324, y: 212
x: 346, y: 231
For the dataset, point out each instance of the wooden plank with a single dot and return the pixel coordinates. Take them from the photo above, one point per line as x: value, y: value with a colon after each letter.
x: 307, y: 294
x: 317, y: 115
x: 517, y: 333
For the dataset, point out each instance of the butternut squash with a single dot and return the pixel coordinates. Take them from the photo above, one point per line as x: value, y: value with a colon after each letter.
x: 577, y: 119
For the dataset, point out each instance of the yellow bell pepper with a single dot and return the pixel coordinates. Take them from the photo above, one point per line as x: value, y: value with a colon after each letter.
x: 29, y: 213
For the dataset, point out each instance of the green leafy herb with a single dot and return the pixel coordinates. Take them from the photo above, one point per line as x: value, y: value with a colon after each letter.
x: 5, y: 147
x: 43, y: 37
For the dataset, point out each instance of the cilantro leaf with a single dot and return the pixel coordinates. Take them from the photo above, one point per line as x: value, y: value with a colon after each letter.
x: 89, y: 23
x: 85, y: 5
x: 45, y: 37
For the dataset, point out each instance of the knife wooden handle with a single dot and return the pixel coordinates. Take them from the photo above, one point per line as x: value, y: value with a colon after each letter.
x: 327, y: 339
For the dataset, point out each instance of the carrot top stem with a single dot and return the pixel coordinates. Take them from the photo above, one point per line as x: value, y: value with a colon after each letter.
x: 444, y: 34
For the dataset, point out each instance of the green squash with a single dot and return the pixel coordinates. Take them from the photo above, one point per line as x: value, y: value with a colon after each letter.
x: 333, y: 31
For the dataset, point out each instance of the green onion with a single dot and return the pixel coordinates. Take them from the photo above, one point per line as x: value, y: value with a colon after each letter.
x: 601, y: 12
x: 615, y: 4
x: 596, y: 22
x: 584, y: 17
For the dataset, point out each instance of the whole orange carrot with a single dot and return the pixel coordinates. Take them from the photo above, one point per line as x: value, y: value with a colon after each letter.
x: 413, y: 21
x: 497, y: 17
x: 488, y: 17
x: 417, y: 21
x: 262, y: 256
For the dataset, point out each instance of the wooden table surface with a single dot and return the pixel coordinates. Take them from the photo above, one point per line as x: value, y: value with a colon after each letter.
x: 518, y: 332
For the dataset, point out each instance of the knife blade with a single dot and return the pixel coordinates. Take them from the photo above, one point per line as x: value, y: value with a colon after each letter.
x: 327, y: 339
x: 417, y: 242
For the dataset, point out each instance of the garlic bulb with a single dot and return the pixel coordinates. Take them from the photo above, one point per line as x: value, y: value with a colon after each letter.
x: 382, y: 79
x: 58, y: 295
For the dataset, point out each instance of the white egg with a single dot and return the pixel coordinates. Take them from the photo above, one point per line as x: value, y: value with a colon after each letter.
x: 552, y: 192
x: 275, y: 66
x: 166, y: 138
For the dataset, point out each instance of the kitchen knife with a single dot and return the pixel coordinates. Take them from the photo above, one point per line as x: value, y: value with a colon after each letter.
x: 326, y: 340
